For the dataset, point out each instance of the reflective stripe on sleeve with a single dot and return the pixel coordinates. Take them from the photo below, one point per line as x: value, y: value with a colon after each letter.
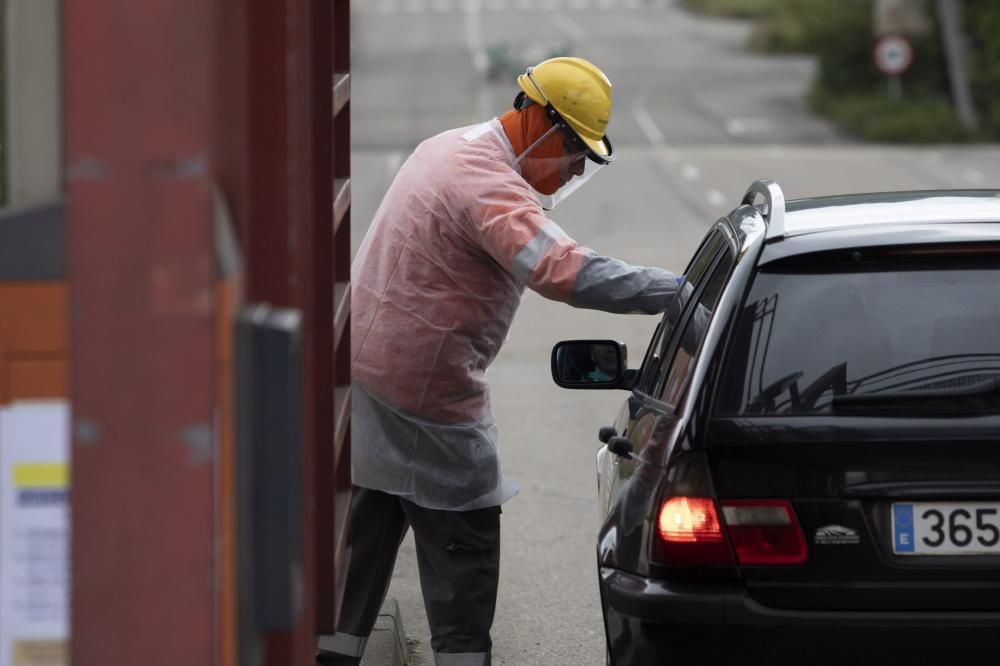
x: 461, y: 658
x: 537, y: 247
x: 345, y: 644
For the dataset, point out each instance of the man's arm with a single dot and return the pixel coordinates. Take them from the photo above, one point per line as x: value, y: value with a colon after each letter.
x: 514, y: 230
x: 611, y: 285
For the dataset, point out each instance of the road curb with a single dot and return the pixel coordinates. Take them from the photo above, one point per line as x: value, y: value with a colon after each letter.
x: 387, y: 644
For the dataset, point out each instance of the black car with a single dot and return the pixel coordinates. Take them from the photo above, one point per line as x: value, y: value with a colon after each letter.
x: 807, y: 469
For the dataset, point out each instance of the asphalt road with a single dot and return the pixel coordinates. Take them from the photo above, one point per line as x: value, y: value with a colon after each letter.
x: 696, y: 119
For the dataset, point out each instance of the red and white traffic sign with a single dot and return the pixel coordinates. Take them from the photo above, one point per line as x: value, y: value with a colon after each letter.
x: 893, y: 55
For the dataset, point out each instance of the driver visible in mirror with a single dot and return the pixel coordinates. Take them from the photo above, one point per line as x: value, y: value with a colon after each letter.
x: 605, y: 363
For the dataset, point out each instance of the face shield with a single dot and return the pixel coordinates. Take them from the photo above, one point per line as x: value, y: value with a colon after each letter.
x: 556, y: 165
x: 559, y: 162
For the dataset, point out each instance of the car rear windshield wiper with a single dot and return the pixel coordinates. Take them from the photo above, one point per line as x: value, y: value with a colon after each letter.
x: 978, y: 397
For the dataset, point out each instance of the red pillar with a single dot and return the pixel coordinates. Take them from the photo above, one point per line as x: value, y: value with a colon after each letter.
x: 170, y: 107
x: 142, y: 272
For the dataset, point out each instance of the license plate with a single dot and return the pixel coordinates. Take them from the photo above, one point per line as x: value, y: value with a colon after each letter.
x: 946, y: 528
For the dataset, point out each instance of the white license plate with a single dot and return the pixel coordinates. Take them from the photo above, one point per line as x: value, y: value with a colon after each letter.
x: 946, y: 528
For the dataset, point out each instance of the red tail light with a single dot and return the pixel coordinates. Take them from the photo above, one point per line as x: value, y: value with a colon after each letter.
x: 764, y: 532
x: 688, y: 531
x: 761, y: 532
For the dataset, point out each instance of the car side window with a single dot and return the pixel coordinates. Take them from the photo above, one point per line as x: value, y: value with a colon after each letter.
x: 673, y: 377
x: 694, y: 275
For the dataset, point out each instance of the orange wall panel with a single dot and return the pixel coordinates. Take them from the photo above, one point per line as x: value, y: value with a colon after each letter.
x: 38, y: 378
x: 34, y: 341
x: 227, y: 297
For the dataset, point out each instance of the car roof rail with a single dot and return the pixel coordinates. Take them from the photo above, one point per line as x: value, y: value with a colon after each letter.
x: 773, y: 207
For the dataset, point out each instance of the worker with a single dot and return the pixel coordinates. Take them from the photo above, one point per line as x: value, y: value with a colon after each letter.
x: 460, y: 234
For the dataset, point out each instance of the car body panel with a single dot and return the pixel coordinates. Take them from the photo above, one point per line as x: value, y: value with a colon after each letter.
x: 803, y: 216
x: 849, y: 484
x: 650, y: 621
x: 882, y: 235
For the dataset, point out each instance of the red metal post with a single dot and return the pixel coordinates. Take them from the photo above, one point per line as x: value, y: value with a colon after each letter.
x: 141, y: 273
x: 170, y: 107
x: 281, y: 227
x: 323, y: 308
x: 341, y: 469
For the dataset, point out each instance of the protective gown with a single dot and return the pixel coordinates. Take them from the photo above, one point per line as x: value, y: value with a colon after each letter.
x: 436, y: 283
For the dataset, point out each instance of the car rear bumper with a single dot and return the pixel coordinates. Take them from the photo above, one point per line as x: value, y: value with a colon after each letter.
x: 651, y: 621
x: 659, y: 601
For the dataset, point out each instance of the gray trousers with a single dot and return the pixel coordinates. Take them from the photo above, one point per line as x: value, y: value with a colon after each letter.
x: 458, y: 555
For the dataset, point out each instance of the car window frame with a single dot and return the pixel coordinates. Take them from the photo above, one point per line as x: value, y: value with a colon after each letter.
x: 668, y: 365
x: 708, y: 254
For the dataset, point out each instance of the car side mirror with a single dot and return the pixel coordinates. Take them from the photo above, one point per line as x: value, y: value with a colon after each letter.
x: 591, y: 364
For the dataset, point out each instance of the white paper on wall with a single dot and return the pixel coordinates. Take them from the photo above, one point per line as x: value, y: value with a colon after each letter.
x: 34, y: 534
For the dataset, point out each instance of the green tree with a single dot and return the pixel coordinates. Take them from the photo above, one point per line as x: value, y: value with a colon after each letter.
x: 982, y: 20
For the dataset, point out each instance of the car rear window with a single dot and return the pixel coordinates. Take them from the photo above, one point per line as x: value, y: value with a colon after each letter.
x: 808, y: 334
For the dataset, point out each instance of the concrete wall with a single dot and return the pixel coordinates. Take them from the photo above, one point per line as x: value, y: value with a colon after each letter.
x: 33, y: 135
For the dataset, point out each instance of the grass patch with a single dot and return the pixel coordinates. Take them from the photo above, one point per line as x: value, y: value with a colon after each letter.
x: 877, y: 118
x: 779, y: 34
x: 734, y: 8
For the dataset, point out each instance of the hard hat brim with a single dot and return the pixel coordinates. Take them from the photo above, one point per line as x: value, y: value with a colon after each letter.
x: 600, y: 151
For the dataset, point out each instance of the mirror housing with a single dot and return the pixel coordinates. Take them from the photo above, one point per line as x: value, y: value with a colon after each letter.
x: 591, y: 364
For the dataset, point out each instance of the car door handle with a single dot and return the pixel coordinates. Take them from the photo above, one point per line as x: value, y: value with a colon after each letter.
x: 606, y: 433
x: 620, y: 446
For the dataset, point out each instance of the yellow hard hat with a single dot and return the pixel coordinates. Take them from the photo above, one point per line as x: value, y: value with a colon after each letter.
x: 580, y: 94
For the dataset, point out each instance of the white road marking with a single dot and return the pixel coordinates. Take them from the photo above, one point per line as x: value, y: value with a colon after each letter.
x: 716, y: 198
x: 647, y: 125
x: 474, y: 42
x: 570, y: 27
x: 741, y: 126
x: 474, y: 36
x: 669, y: 156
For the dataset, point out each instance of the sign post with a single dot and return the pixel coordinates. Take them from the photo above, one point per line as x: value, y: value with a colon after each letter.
x: 893, y: 55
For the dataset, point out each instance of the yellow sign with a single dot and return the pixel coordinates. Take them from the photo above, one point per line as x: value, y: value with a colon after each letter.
x: 41, y: 475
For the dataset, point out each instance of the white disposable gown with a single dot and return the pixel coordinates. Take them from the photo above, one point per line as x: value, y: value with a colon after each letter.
x: 436, y: 283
